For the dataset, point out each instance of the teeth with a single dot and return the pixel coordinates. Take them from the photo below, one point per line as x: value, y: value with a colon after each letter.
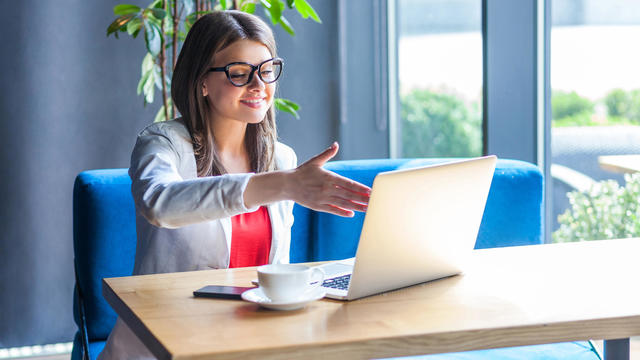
x: 252, y: 101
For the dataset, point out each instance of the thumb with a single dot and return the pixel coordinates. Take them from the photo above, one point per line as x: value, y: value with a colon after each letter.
x: 325, y: 156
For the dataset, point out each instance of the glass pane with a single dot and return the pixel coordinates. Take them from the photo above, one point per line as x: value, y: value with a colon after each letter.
x: 595, y: 82
x: 440, y: 78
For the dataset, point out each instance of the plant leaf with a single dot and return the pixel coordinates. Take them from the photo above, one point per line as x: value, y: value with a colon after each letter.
x: 306, y: 10
x: 159, y: 13
x: 266, y: 5
x: 119, y: 23
x: 147, y: 63
x: 290, y: 103
x: 168, y: 24
x: 152, y: 37
x: 157, y: 76
x: 290, y: 3
x: 124, y: 9
x: 276, y: 11
x: 148, y: 88
x: 133, y: 26
x: 143, y: 80
x: 287, y: 106
x: 248, y: 7
x: 160, y: 115
x: 156, y: 4
x: 287, y: 26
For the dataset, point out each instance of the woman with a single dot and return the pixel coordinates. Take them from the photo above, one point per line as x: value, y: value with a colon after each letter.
x: 214, y: 189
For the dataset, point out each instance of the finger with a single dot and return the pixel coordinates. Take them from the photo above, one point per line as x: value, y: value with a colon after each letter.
x: 331, y: 209
x: 350, y: 195
x: 351, y: 185
x: 324, y: 156
x: 348, y: 205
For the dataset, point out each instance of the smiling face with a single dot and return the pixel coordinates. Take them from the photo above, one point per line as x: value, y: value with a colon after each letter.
x: 247, y: 104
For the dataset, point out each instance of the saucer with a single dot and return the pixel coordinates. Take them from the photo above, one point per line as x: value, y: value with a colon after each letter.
x: 257, y: 296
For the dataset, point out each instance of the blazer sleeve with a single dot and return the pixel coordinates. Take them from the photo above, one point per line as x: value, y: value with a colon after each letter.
x: 167, y: 200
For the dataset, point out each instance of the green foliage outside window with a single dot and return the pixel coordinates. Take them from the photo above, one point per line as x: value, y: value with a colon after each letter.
x: 623, y: 104
x: 436, y: 124
x: 570, y: 109
x: 606, y: 211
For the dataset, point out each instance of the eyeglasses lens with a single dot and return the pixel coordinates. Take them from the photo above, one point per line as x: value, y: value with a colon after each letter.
x: 270, y: 71
x: 239, y: 74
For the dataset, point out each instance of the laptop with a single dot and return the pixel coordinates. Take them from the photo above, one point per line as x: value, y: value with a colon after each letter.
x: 421, y: 225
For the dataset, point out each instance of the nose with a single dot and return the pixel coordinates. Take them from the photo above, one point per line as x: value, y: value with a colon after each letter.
x: 256, y: 82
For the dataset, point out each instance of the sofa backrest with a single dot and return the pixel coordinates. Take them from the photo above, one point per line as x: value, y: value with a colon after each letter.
x: 105, y: 234
x: 513, y: 214
x: 104, y: 241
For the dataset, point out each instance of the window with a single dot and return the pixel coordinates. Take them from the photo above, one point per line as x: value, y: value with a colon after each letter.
x: 595, y: 82
x: 439, y: 78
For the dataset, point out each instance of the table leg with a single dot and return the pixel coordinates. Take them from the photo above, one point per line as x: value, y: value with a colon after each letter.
x: 616, y: 349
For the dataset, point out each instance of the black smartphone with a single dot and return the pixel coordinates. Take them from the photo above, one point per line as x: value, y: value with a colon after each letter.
x: 221, y: 292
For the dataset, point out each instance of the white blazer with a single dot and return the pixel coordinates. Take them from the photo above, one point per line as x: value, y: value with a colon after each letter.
x: 184, y: 222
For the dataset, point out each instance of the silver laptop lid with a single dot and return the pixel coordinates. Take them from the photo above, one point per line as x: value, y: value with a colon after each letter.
x: 421, y: 224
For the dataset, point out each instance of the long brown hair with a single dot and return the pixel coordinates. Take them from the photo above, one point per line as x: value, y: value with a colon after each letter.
x: 210, y: 34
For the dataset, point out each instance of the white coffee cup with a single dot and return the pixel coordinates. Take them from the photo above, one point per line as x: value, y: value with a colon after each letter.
x: 283, y: 282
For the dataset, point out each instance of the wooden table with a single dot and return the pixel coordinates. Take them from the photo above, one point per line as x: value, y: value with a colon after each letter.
x: 507, y: 297
x: 620, y: 163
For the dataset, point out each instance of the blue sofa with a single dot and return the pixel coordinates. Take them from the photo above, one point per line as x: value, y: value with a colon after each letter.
x: 105, y: 242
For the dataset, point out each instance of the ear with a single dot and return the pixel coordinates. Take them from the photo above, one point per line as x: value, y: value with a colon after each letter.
x: 205, y: 92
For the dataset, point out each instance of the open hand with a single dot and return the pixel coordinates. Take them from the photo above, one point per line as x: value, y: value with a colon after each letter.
x: 323, y: 190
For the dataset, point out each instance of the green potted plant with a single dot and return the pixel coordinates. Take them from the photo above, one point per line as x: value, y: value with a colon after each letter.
x: 165, y: 24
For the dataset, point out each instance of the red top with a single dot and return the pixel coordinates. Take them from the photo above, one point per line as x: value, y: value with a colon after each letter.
x: 250, y: 239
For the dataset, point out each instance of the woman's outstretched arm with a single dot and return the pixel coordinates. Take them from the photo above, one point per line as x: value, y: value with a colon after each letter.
x: 309, y: 185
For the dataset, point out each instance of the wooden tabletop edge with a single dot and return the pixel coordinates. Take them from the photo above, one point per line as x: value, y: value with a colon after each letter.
x: 137, y: 326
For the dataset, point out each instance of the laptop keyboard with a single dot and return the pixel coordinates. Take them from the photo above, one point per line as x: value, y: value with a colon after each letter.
x: 340, y: 282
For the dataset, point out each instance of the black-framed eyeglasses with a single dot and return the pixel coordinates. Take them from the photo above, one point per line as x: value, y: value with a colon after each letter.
x: 241, y: 73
